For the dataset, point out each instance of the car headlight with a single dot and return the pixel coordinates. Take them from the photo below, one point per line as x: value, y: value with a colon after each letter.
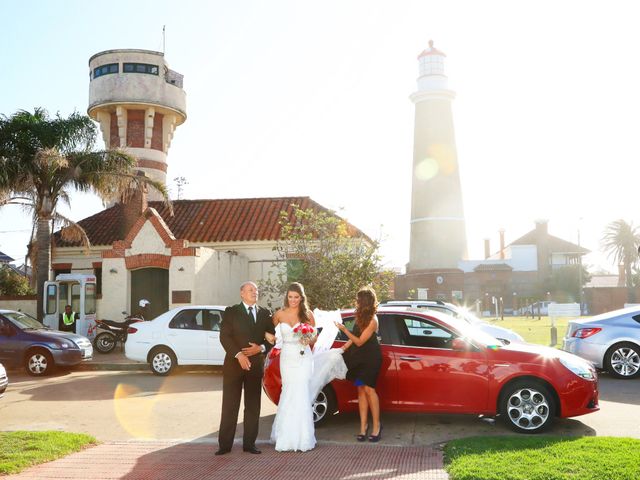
x: 577, y: 366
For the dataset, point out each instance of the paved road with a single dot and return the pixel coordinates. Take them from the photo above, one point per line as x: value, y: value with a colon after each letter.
x: 121, y: 406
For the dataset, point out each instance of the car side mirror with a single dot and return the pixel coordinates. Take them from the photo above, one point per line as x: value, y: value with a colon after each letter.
x: 460, y: 345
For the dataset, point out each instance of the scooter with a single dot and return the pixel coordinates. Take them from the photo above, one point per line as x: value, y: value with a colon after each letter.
x: 111, y: 332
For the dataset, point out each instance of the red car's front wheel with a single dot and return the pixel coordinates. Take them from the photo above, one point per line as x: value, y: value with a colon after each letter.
x: 324, y: 406
x: 527, y: 406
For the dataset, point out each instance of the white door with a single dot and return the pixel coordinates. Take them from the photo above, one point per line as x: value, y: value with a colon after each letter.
x: 212, y: 321
x: 187, y: 337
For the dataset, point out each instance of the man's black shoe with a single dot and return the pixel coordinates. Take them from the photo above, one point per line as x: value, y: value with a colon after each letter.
x: 253, y: 450
x: 222, y: 451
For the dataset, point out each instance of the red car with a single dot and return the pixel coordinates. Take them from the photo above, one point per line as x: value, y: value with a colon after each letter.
x: 434, y: 363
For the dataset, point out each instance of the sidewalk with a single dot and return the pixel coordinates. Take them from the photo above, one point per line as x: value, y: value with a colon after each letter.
x: 196, y: 461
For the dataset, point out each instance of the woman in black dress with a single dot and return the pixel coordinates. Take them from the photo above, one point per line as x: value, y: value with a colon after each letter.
x: 364, y: 361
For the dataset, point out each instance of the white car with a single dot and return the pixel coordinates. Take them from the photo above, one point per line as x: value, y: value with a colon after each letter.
x: 4, y: 380
x: 503, y: 334
x: 187, y: 335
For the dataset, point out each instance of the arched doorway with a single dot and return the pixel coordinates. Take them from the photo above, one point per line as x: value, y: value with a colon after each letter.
x: 153, y: 285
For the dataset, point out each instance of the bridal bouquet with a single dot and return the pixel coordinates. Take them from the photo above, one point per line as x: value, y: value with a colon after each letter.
x: 305, y: 334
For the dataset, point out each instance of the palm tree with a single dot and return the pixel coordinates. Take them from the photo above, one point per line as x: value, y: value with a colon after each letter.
x: 621, y: 241
x: 43, y: 159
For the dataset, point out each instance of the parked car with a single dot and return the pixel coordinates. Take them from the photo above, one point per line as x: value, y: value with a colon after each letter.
x: 182, y: 336
x: 24, y: 341
x: 503, y: 334
x: 4, y: 380
x: 611, y: 341
x: 435, y: 363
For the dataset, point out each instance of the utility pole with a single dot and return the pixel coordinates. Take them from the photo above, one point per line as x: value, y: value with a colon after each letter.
x: 579, y: 269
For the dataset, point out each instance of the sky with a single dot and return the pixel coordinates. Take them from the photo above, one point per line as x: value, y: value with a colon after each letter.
x: 288, y: 98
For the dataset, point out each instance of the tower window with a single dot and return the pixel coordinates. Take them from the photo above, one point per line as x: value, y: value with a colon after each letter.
x: 105, y: 70
x: 140, y: 68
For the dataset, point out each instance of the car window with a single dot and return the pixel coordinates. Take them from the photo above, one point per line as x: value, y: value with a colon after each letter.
x: 189, y: 319
x: 385, y: 337
x: 212, y: 320
x: 419, y: 332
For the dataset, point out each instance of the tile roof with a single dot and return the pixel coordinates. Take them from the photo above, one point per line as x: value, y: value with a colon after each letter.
x: 5, y: 258
x: 487, y: 267
x: 205, y: 221
x: 555, y: 244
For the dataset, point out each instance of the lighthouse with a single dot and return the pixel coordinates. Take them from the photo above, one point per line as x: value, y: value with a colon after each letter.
x: 438, y: 236
x: 138, y: 102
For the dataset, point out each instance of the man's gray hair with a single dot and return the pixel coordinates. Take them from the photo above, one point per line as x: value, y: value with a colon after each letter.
x: 248, y: 282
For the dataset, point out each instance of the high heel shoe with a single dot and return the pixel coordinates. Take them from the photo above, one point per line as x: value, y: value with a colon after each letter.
x: 363, y: 437
x: 376, y: 438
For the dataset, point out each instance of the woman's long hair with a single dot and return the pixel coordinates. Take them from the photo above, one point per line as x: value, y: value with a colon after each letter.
x: 366, y: 307
x: 303, y: 308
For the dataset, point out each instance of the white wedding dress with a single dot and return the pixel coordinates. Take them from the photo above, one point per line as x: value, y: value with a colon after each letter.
x: 303, y: 376
x: 293, y: 426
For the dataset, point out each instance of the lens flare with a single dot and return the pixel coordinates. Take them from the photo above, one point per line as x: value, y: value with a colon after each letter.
x: 426, y: 169
x: 134, y: 409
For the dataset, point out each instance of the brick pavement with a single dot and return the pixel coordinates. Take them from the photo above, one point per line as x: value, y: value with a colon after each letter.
x: 196, y: 461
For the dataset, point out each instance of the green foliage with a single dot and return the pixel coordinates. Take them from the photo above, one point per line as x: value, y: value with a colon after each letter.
x: 20, y: 450
x: 324, y: 253
x: 12, y: 283
x: 543, y: 458
x: 565, y: 283
x: 620, y: 241
x: 43, y: 159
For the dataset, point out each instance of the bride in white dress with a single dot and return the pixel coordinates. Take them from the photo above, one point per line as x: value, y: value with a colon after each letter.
x: 293, y: 428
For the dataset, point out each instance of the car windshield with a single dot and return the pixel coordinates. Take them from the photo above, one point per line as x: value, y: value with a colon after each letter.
x: 24, y: 321
x: 467, y: 330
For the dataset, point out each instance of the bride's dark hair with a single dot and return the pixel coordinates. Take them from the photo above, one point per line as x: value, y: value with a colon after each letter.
x: 366, y: 307
x: 303, y: 308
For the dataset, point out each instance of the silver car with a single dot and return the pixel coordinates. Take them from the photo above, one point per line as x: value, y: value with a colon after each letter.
x: 610, y: 341
x: 505, y: 335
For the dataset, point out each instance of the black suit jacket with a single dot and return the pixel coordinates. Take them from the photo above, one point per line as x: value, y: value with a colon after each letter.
x: 238, y: 329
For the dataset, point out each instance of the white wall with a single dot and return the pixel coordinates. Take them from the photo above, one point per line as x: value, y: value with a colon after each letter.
x: 148, y: 240
x: 116, y: 289
x: 26, y: 306
x: 524, y: 258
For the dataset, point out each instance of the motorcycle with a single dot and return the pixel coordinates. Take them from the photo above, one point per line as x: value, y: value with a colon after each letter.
x: 111, y: 332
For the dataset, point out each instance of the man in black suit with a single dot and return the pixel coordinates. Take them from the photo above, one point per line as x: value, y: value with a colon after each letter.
x: 242, y: 335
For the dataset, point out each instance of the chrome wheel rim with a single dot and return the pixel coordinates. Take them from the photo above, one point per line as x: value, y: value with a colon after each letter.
x: 105, y: 342
x: 320, y: 407
x: 625, y: 361
x: 528, y: 408
x: 162, y: 362
x: 38, y: 364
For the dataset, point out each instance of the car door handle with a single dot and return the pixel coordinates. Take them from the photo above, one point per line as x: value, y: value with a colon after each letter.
x: 410, y: 358
x: 172, y: 334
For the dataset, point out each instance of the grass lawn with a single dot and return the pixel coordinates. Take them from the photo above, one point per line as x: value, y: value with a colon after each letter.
x: 20, y: 450
x: 543, y: 458
x: 534, y: 330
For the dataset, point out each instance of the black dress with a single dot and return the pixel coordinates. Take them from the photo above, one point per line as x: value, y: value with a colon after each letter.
x: 364, y: 362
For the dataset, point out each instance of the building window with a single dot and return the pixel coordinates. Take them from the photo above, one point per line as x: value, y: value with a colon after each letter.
x: 106, y: 70
x: 140, y: 68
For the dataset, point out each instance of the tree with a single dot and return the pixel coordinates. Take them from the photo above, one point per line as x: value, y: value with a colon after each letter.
x: 565, y: 282
x: 43, y: 159
x: 621, y: 241
x: 12, y: 283
x: 328, y: 256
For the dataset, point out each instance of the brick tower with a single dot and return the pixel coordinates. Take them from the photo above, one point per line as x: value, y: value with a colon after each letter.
x: 138, y: 102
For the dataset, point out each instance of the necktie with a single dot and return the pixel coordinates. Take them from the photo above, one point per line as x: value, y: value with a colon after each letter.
x: 251, y: 314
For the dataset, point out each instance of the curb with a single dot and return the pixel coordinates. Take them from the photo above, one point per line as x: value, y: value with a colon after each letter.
x: 138, y: 367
